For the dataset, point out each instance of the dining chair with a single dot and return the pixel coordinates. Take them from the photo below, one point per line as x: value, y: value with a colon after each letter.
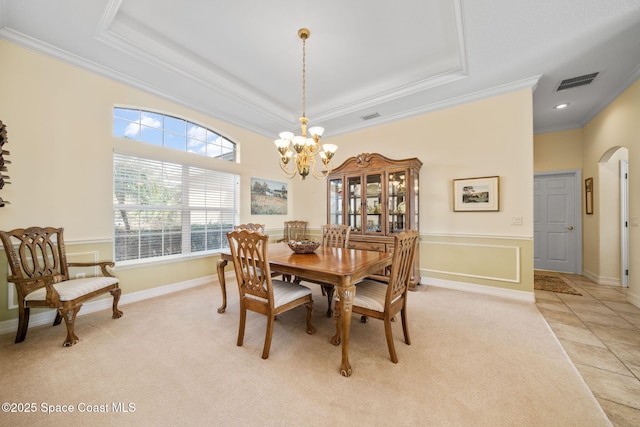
x: 37, y: 257
x: 294, y: 230
x: 382, y: 297
x: 333, y: 236
x: 259, y: 292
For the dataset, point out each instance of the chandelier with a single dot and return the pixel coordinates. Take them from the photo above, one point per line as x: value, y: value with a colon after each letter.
x: 302, y: 149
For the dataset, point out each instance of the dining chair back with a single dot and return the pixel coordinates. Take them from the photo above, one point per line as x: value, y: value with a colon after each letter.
x: 259, y: 292
x: 250, y: 226
x: 335, y: 235
x: 295, y: 230
x: 260, y: 228
x: 382, y: 297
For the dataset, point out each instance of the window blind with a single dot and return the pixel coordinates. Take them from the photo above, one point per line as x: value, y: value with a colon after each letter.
x: 165, y: 209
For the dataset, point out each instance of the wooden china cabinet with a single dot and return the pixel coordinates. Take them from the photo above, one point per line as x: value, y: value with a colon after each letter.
x: 378, y: 198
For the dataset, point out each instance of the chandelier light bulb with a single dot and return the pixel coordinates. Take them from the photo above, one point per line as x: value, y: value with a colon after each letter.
x: 316, y: 131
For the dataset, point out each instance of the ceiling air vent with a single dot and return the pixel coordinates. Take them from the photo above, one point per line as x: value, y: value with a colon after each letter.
x: 370, y: 116
x: 576, y: 81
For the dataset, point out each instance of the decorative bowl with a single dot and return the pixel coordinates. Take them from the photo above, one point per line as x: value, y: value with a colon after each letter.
x: 303, y: 246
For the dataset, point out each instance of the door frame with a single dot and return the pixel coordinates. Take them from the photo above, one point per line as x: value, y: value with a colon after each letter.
x: 624, y: 223
x: 577, y: 178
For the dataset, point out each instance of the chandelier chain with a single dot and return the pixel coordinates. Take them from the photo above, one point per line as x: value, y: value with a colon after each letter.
x: 304, y: 75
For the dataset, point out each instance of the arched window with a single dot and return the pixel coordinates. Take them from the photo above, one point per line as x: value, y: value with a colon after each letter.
x: 171, y: 132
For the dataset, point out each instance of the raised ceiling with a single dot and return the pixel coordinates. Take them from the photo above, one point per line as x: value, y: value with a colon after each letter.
x: 240, y: 61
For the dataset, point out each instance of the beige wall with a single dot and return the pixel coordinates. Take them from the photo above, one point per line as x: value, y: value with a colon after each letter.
x: 59, y: 120
x: 558, y: 151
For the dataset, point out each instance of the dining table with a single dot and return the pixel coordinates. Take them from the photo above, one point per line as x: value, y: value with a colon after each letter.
x: 343, y: 268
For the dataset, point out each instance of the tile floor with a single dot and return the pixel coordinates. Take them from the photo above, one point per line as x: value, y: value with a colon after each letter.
x: 600, y: 331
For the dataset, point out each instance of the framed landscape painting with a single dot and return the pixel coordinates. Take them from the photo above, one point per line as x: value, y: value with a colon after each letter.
x: 268, y: 197
x: 476, y: 194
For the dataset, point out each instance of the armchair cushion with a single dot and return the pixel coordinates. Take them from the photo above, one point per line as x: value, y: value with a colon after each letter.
x: 72, y: 289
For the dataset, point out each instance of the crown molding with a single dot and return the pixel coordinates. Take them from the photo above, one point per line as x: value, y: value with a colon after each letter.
x: 527, y: 83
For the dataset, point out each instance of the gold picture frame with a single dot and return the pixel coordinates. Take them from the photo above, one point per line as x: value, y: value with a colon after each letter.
x: 268, y: 197
x: 588, y: 195
x: 476, y: 194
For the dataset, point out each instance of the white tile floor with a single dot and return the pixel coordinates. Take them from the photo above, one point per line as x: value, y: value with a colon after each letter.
x: 600, y: 331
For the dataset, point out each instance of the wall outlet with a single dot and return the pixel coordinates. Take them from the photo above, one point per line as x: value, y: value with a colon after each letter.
x: 516, y: 220
x: 80, y: 275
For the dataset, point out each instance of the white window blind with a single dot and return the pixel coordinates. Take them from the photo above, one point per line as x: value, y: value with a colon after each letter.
x: 165, y: 209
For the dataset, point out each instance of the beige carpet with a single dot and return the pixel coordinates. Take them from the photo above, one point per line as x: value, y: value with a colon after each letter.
x: 553, y: 283
x: 474, y: 361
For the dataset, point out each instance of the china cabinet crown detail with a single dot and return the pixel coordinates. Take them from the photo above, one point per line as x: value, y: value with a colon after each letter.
x: 378, y: 198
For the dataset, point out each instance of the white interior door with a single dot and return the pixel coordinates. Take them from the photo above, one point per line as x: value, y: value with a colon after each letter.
x: 557, y: 227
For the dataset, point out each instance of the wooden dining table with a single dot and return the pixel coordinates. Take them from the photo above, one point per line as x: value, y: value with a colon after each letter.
x: 342, y: 268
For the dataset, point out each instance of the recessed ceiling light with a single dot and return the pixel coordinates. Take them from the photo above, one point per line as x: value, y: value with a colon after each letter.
x: 561, y: 106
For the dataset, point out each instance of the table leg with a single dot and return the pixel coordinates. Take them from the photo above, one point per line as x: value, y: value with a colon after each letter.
x: 223, y: 285
x: 342, y: 314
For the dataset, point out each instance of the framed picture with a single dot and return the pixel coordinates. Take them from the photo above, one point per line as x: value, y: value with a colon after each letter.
x: 476, y: 194
x: 588, y: 195
x: 268, y: 197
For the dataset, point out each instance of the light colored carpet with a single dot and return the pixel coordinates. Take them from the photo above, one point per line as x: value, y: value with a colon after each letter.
x: 474, y: 360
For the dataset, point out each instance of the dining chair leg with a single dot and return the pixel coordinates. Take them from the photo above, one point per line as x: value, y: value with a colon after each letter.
x: 405, y: 326
x: 69, y: 316
x: 267, y: 339
x: 114, y: 307
x: 243, y: 319
x: 310, y: 329
x: 387, y: 330
x: 58, y: 318
x: 23, y: 323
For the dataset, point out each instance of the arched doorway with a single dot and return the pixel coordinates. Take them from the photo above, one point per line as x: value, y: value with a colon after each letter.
x: 612, y: 217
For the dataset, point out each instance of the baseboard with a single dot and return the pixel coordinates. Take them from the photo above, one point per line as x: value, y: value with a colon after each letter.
x: 633, y: 299
x: 46, y: 318
x: 480, y: 289
x: 599, y: 280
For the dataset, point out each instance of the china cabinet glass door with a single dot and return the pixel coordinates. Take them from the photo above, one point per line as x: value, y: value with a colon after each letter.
x: 397, y: 201
x: 354, y: 203
x: 373, y: 204
x: 335, y: 201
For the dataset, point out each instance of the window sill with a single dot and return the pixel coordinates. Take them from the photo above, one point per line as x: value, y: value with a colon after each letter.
x: 172, y: 259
